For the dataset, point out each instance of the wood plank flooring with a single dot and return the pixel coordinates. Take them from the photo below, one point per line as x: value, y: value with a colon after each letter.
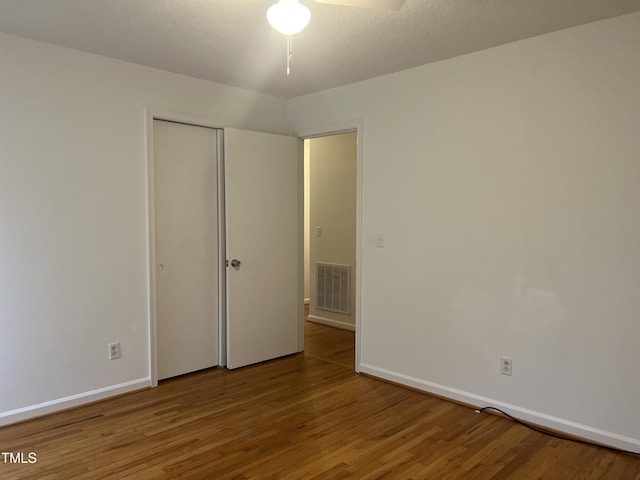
x: 330, y: 344
x: 306, y: 416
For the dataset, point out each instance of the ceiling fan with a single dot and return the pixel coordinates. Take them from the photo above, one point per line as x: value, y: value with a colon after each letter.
x: 379, y: 4
x: 290, y: 16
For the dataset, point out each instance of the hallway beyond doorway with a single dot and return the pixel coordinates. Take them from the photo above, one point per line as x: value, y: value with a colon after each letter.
x: 329, y: 344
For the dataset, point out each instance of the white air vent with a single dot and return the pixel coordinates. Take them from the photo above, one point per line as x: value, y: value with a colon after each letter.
x: 333, y: 287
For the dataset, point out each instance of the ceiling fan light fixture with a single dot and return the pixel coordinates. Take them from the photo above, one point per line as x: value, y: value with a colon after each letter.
x: 288, y: 16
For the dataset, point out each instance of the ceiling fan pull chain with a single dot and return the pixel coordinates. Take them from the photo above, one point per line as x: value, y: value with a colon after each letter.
x: 289, y: 53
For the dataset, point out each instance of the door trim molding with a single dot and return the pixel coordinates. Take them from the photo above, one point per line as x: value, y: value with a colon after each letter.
x: 333, y: 129
x: 151, y: 114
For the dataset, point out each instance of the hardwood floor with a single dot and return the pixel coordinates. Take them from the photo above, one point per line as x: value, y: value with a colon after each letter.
x: 330, y: 344
x: 306, y: 416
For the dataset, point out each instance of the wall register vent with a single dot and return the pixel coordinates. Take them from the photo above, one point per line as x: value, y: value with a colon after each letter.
x: 332, y: 282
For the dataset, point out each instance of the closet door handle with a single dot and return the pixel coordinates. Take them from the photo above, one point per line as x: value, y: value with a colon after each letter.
x: 235, y: 263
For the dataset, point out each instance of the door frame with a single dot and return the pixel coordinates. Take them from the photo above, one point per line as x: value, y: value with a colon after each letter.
x: 355, y: 125
x: 150, y: 116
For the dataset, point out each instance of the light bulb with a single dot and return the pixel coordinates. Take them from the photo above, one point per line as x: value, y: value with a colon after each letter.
x: 288, y: 16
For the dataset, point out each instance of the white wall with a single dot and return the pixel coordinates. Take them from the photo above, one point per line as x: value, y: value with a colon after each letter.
x: 333, y: 179
x: 507, y: 185
x: 73, y: 238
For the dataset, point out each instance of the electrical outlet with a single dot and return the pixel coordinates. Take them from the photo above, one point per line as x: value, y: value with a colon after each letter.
x: 114, y: 350
x: 506, y: 365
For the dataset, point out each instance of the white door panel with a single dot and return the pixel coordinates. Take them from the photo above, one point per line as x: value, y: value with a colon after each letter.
x: 186, y: 247
x: 263, y: 232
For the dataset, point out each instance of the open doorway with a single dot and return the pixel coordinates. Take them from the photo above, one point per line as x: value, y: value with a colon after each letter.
x: 330, y: 232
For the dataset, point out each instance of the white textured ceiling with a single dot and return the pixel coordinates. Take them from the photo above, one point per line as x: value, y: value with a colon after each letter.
x: 230, y: 42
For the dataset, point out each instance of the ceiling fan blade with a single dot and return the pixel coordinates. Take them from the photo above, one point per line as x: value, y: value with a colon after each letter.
x: 377, y: 4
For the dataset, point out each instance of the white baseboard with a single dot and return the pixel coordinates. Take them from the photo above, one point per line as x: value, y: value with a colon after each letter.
x: 332, y: 323
x: 558, y: 424
x: 20, y: 414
